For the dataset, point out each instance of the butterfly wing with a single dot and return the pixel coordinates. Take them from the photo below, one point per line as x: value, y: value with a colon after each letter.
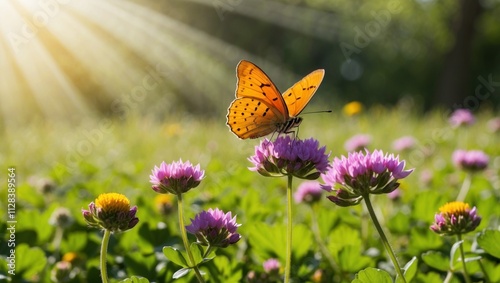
x: 254, y: 83
x: 252, y: 118
x: 298, y: 96
x: 259, y: 107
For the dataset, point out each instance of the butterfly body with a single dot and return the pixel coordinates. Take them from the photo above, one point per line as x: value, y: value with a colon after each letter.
x: 260, y: 109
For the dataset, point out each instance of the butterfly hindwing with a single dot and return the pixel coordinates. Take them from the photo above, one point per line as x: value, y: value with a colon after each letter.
x: 298, y: 96
x: 252, y: 118
x: 254, y: 83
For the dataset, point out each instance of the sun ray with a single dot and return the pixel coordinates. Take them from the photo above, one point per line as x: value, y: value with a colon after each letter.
x: 306, y: 20
x: 63, y: 61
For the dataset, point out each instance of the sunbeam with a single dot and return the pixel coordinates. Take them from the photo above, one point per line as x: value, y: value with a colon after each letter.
x: 58, y: 59
x: 67, y: 60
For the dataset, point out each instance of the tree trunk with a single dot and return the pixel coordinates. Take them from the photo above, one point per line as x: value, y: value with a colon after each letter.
x: 452, y: 87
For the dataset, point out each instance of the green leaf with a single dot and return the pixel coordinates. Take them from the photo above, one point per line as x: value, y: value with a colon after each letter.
x: 75, y: 242
x: 409, y: 270
x: 181, y: 272
x: 135, y: 279
x: 398, y: 223
x: 492, y: 269
x: 136, y: 262
x: 351, y: 259
x: 134, y: 240
x: 222, y: 269
x: 197, y: 252
x: 29, y: 261
x: 431, y: 277
x: 423, y: 240
x: 39, y: 222
x: 327, y: 219
x: 370, y: 275
x: 424, y: 202
x: 152, y: 235
x: 341, y: 237
x: 270, y: 240
x: 266, y: 246
x: 175, y: 256
x: 489, y: 240
x: 436, y: 260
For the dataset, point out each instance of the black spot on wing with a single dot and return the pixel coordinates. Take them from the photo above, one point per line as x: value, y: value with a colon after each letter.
x: 265, y: 112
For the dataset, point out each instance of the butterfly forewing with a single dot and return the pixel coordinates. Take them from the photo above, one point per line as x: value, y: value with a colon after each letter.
x: 254, y: 83
x: 299, y: 95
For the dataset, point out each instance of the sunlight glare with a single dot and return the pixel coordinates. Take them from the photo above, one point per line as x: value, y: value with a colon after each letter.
x: 59, y: 59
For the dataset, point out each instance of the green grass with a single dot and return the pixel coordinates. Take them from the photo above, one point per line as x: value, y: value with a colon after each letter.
x: 101, y: 155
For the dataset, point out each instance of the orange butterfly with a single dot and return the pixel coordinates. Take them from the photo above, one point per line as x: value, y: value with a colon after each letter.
x: 259, y: 108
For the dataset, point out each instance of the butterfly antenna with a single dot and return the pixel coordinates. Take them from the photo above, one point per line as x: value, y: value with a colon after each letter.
x: 315, y: 112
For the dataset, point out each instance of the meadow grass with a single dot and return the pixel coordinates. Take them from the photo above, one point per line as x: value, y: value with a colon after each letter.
x: 112, y: 155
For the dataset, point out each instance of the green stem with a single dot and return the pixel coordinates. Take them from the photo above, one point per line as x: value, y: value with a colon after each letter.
x: 465, y: 187
x: 57, y: 240
x: 288, y: 230
x: 385, y: 242
x: 486, y: 277
x: 208, y: 251
x: 104, y: 251
x: 462, y: 255
x: 185, y: 241
x: 448, y: 278
x: 364, y: 227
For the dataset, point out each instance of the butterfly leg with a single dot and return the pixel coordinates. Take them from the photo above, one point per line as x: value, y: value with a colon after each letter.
x: 290, y: 125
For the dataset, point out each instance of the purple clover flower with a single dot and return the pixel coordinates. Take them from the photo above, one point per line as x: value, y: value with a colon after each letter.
x: 455, y: 218
x: 358, y: 142
x: 176, y: 177
x: 214, y: 228
x: 286, y: 156
x: 361, y: 174
x: 462, y: 117
x: 473, y: 160
x: 308, y: 192
x: 404, y: 143
x: 271, y: 265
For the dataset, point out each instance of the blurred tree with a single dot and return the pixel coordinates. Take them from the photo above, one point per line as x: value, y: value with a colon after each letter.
x: 456, y: 73
x: 373, y: 51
